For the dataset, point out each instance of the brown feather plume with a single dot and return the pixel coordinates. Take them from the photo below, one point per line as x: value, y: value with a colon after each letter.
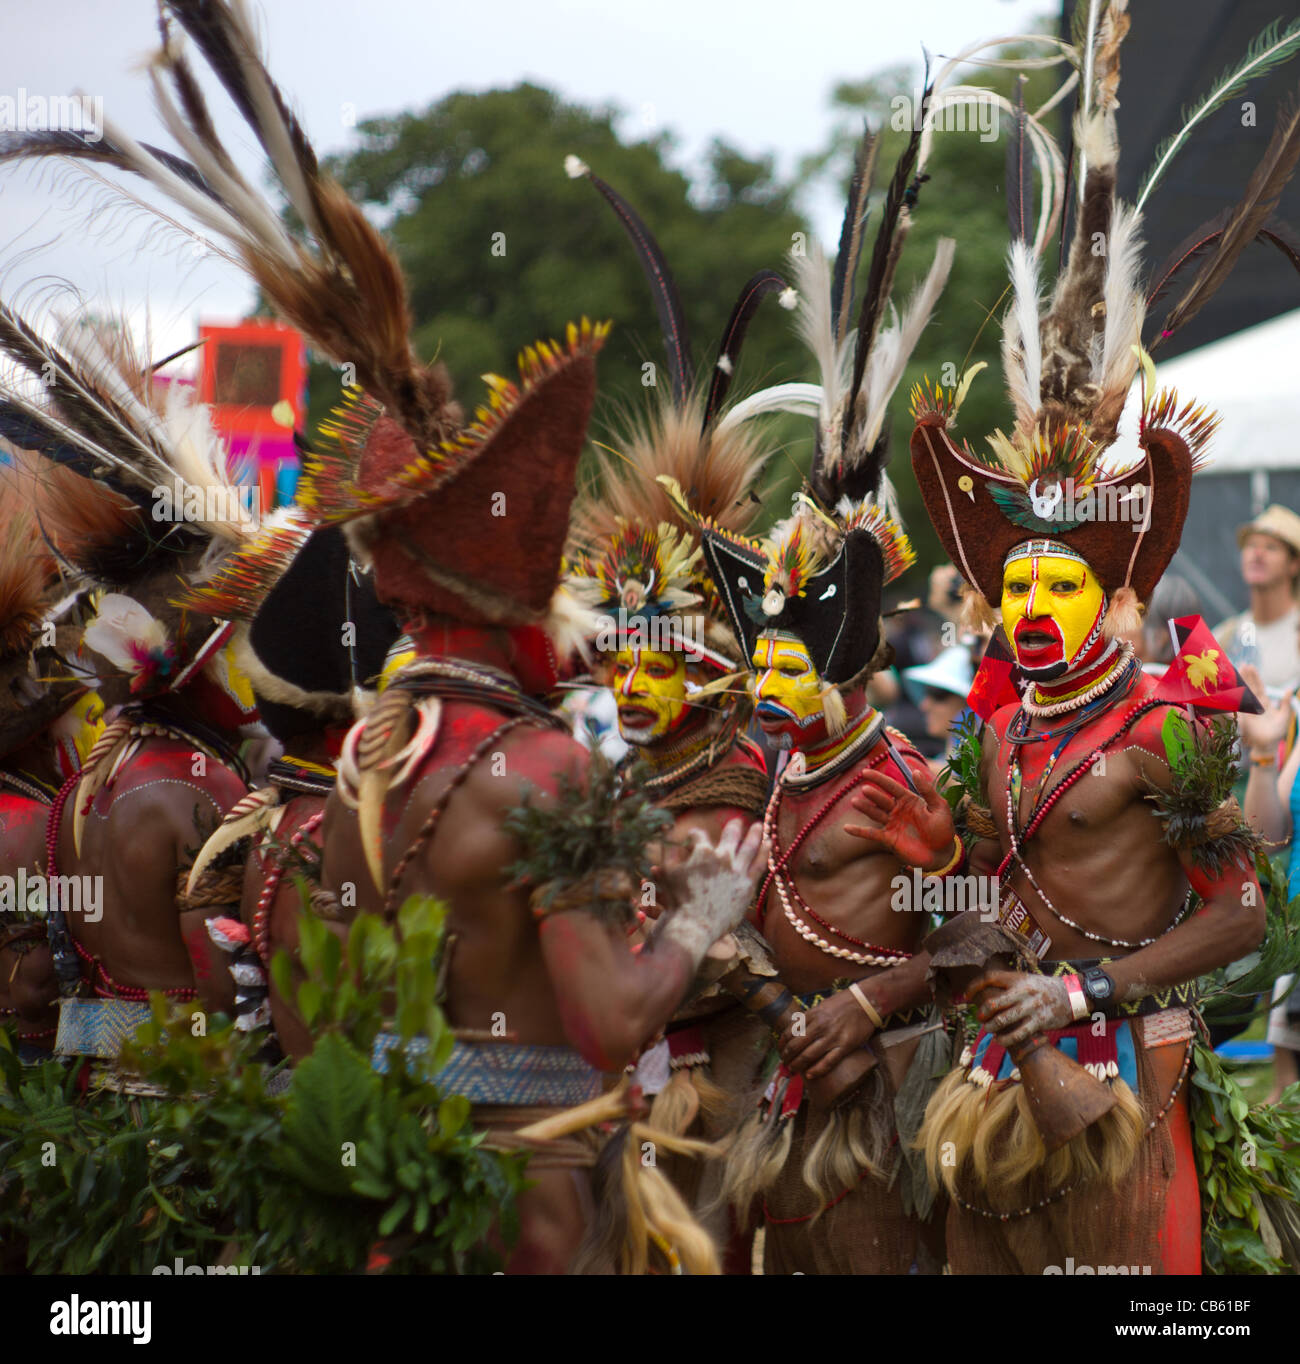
x: 717, y: 473
x: 80, y: 517
x: 25, y: 572
x: 1077, y: 314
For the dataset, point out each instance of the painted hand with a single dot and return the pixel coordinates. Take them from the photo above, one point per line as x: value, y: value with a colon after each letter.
x: 834, y: 1028
x: 916, y: 828
x: 1026, y: 1006
x: 714, y: 886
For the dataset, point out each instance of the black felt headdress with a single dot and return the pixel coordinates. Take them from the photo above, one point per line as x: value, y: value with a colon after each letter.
x: 820, y: 574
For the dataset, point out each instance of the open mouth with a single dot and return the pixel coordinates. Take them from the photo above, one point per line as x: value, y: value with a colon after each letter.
x: 1037, y: 643
x: 770, y: 716
x: 636, y: 716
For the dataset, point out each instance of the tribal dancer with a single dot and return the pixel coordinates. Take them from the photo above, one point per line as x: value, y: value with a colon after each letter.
x: 167, y: 766
x: 49, y: 720
x: 673, y: 663
x: 806, y: 604
x: 312, y: 638
x: 464, y: 524
x: 1097, y: 890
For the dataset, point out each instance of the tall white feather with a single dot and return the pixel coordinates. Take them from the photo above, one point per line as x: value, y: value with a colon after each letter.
x: 1125, y: 299
x: 1022, y: 349
x: 893, y: 349
x: 815, y: 325
x: 270, y: 120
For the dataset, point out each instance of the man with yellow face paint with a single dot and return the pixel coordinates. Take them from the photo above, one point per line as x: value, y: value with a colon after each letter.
x: 826, y: 1153
x: 674, y: 669
x: 1122, y: 874
x: 826, y: 906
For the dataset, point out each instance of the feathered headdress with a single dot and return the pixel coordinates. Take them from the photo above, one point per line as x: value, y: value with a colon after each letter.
x: 310, y: 632
x: 132, y: 490
x: 819, y: 574
x: 38, y: 679
x: 1069, y: 369
x: 635, y: 555
x: 400, y: 439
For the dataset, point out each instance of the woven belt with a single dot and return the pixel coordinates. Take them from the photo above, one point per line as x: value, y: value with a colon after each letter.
x: 500, y: 1073
x: 97, y: 1027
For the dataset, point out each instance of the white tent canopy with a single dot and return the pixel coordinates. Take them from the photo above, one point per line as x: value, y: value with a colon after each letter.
x: 1249, y: 379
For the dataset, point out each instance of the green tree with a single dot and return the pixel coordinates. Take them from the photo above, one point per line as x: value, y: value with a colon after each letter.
x: 501, y: 248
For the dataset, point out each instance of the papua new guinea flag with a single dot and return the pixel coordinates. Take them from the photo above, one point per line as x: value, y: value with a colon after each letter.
x: 1201, y: 674
x: 994, y: 685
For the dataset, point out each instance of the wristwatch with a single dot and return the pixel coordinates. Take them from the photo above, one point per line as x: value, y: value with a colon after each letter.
x: 1099, y: 988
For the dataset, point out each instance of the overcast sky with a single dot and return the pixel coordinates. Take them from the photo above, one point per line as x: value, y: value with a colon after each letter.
x: 757, y: 73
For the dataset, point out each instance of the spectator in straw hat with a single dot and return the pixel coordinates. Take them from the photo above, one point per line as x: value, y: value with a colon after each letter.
x: 1265, y: 636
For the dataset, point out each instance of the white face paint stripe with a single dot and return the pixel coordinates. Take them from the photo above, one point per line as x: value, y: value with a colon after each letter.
x: 1033, y: 586
x: 632, y: 672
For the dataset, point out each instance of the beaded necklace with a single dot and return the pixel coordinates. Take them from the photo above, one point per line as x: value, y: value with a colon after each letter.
x: 672, y: 766
x: 29, y: 786
x: 1019, y: 837
x: 1104, y: 674
x: 787, y: 890
x: 271, y: 885
x: 797, y: 775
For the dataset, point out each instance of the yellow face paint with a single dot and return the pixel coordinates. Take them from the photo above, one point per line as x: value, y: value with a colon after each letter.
x: 650, y: 689
x: 787, y: 688
x: 1050, y: 606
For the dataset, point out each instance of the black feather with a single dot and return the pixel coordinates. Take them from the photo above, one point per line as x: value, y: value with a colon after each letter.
x: 62, y: 375
x: 733, y: 338
x: 1274, y: 232
x: 851, y: 234
x: 214, y: 31
x: 29, y: 432
x: 1019, y: 172
x: 23, y: 146
x: 1284, y: 237
x: 876, y: 291
x: 672, y: 320
x: 1187, y: 250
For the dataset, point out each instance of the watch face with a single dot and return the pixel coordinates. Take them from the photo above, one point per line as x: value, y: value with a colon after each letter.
x: 1099, y: 986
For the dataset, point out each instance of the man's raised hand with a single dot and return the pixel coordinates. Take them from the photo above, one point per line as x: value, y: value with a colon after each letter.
x: 916, y: 826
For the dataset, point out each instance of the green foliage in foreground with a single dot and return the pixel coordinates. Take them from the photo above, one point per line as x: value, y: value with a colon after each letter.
x: 315, y: 1179
x: 1250, y: 1177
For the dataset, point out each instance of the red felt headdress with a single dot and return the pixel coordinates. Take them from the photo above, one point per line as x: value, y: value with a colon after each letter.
x: 1069, y: 371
